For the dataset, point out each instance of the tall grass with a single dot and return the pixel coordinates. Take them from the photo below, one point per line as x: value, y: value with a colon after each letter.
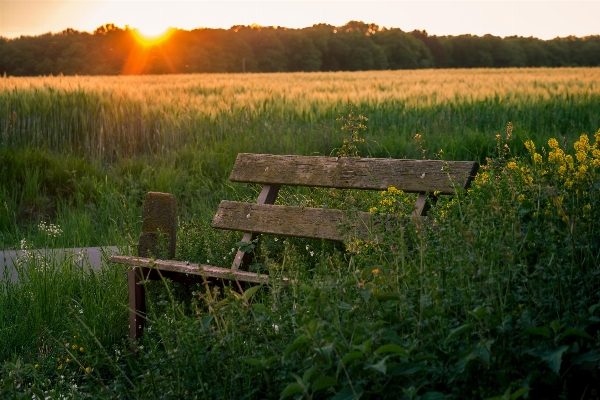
x: 498, y: 297
x: 69, y: 143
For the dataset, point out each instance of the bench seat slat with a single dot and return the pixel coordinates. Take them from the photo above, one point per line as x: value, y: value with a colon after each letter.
x: 317, y: 223
x: 193, y: 269
x: 412, y: 176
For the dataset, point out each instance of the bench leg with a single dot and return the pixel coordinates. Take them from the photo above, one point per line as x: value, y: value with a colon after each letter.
x: 137, y: 303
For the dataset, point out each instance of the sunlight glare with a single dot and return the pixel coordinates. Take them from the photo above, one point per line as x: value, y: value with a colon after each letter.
x: 151, y: 35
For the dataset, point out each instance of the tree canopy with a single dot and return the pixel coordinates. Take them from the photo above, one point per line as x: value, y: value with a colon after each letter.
x: 356, y: 46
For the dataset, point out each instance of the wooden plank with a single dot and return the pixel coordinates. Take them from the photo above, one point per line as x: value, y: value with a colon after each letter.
x: 413, y: 176
x: 182, y: 267
x: 305, y: 222
x: 268, y: 195
x: 137, y: 304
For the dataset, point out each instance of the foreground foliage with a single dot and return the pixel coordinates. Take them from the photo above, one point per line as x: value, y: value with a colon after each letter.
x: 496, y: 297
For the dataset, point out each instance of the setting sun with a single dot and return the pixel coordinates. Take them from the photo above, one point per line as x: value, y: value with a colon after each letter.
x: 152, y: 35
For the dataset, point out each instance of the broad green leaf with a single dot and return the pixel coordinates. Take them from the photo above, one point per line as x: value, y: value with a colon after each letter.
x: 380, y: 366
x: 292, y: 389
x: 541, y: 330
x: 254, y: 361
x: 351, y: 356
x: 590, y: 356
x: 348, y: 394
x: 366, y: 293
x: 479, y: 312
x: 344, y: 306
x: 222, y: 303
x: 554, y: 358
x: 519, y: 393
x: 261, y: 308
x: 459, y: 331
x: 349, y: 282
x: 206, y: 320
x: 575, y: 332
x: 299, y: 342
x: 324, y: 382
x: 308, y: 374
x: 392, y: 348
x: 251, y: 292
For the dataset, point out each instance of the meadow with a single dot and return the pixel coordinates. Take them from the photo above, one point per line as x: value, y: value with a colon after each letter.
x: 501, y: 299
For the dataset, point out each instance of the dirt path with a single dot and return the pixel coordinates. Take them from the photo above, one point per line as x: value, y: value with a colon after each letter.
x: 84, y: 256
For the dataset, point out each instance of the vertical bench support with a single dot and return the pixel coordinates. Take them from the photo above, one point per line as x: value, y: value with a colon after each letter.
x: 158, y: 240
x: 268, y: 195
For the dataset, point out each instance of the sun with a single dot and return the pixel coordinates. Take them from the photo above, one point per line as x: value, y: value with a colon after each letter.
x: 152, y: 35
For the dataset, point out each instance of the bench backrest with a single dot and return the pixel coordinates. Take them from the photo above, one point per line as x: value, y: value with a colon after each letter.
x: 273, y: 171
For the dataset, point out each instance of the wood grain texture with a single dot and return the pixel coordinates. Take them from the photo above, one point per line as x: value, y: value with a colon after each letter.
x: 413, y: 176
x: 305, y: 222
x: 193, y: 269
x: 268, y: 195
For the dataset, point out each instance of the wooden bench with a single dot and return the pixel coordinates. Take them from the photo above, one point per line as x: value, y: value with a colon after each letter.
x: 424, y: 177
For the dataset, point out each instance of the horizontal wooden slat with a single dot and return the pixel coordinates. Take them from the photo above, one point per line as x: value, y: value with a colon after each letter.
x: 192, y: 269
x: 305, y: 222
x: 413, y: 176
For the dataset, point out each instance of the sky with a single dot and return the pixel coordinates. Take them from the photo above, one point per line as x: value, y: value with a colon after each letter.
x: 541, y: 19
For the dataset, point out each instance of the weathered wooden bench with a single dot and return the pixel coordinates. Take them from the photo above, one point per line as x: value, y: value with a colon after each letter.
x: 424, y: 177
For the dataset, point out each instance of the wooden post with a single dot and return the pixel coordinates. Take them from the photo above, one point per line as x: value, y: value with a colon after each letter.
x: 159, y: 226
x: 158, y: 240
x: 268, y: 195
x: 137, y: 303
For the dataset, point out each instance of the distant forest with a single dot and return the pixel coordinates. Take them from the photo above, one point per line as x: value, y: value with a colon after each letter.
x: 355, y: 46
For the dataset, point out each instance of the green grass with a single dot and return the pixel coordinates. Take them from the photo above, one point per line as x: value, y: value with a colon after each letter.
x: 501, y: 298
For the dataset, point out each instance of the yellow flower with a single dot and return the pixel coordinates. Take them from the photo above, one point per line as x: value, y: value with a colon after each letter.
x: 512, y: 165
x: 81, y: 349
x: 521, y: 197
x: 393, y: 190
x: 67, y: 360
x: 581, y: 156
x: 530, y: 146
x: 36, y: 365
x: 87, y: 369
x: 583, y: 144
x: 562, y: 170
x: 372, y: 209
x: 537, y: 158
x: 375, y: 271
x: 74, y: 346
x: 60, y: 366
x: 569, y: 160
x: 553, y: 143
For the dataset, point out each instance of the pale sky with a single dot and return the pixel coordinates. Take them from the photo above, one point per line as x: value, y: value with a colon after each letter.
x: 542, y: 19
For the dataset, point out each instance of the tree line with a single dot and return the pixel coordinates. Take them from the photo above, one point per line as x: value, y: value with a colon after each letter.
x: 356, y: 46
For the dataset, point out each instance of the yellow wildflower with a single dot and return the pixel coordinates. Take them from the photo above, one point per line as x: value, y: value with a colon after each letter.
x: 74, y: 346
x: 87, y: 369
x: 60, y: 366
x: 375, y: 271
x: 36, y: 365
x: 81, y: 349
x: 521, y: 197
x: 553, y: 143
x: 512, y: 165
x: 581, y: 156
x: 569, y: 160
x: 583, y: 144
x: 537, y: 158
x: 530, y: 146
x: 373, y: 209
